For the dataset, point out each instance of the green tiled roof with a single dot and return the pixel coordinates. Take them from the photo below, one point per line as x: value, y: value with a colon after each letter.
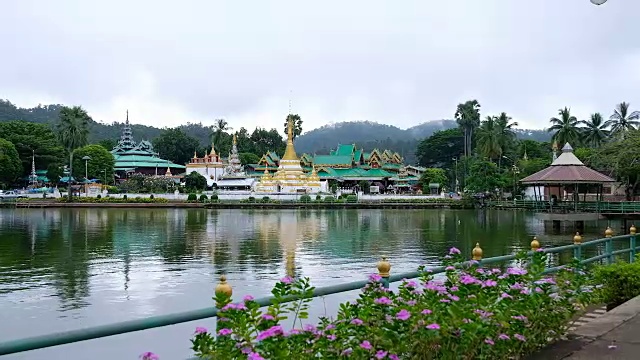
x: 378, y: 173
x: 126, y: 161
x: 366, y: 156
x: 274, y: 156
x: 391, y: 166
x: 345, y: 150
x: 320, y: 160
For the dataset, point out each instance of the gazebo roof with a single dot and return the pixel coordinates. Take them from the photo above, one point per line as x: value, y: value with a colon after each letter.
x: 567, y: 169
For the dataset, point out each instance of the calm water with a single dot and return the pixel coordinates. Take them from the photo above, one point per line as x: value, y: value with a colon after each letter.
x: 63, y: 269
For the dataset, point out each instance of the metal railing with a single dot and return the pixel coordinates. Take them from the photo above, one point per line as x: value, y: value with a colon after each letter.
x: 608, y: 256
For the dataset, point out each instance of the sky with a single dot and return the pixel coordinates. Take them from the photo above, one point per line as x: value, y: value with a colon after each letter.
x: 393, y: 62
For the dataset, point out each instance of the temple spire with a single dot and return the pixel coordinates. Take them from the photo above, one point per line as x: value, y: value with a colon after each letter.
x: 290, y: 152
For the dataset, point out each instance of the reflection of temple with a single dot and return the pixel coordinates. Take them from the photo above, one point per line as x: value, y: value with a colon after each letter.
x: 290, y: 177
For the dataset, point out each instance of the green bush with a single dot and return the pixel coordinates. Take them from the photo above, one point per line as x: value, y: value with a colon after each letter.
x: 203, y: 198
x: 151, y: 196
x: 251, y: 199
x: 214, y: 198
x: 124, y: 197
x: 99, y: 196
x: 352, y: 199
x: 329, y: 199
x: 621, y: 282
x: 318, y: 197
x: 107, y: 199
x: 265, y: 199
x: 305, y: 198
x: 192, y: 197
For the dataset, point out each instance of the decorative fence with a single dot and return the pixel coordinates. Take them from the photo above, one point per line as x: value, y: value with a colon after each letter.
x: 604, y: 250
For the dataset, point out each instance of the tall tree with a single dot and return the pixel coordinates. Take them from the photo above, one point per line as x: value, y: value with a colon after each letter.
x: 297, y: 124
x: 31, y: 138
x: 468, y: 118
x: 73, y: 129
x: 175, y: 145
x: 440, y: 149
x: 488, y: 141
x: 10, y: 165
x: 99, y: 166
x: 594, y: 130
x: 220, y: 127
x: 621, y: 121
x: 565, y: 128
x: 506, y: 131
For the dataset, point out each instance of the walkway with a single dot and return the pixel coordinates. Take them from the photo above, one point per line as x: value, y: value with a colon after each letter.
x: 613, y: 335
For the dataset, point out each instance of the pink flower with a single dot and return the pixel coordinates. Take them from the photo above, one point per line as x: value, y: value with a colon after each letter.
x: 381, y: 354
x: 426, y: 312
x: 489, y: 341
x: 403, y: 315
x: 445, y: 300
x: 505, y: 296
x: 375, y: 277
x: 450, y: 268
x: 490, y: 283
x: 365, y: 345
x: 149, y: 356
x: 346, y: 352
x: 453, y: 297
x: 247, y: 298
x: 516, y: 271
x: 519, y: 337
x: 200, y: 330
x: 267, y: 317
x: 270, y: 332
x: 383, y: 301
x: 520, y: 318
x: 393, y: 357
x: 356, y: 322
x: 254, y: 356
x: 331, y: 337
x: 503, y: 337
x: 225, y: 332
x: 454, y: 251
x: 286, y: 280
x: 433, y: 326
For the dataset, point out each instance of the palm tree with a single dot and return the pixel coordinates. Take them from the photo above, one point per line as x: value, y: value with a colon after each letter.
x: 219, y: 127
x: 468, y: 118
x: 505, y: 128
x: 594, y: 131
x: 72, y: 130
x: 565, y: 127
x: 297, y: 124
x: 489, y: 138
x: 621, y: 121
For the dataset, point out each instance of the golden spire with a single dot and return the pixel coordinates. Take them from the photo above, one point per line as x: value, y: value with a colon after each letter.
x: 235, y: 141
x: 213, y: 150
x: 168, y: 173
x: 290, y: 152
x: 195, y: 154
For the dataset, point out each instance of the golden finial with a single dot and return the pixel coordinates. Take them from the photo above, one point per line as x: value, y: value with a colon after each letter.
x: 290, y: 151
x: 195, y: 154
x: 384, y: 267
x: 608, y: 233
x: 235, y: 140
x: 477, y: 252
x: 213, y: 150
x: 577, y: 239
x: 168, y: 173
x: 223, y: 288
x: 632, y: 230
x: 535, y: 244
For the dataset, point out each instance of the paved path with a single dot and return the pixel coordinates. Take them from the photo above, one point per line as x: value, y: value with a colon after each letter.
x: 601, y: 335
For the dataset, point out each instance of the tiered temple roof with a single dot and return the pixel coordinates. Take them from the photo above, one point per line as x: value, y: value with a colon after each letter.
x: 140, y: 157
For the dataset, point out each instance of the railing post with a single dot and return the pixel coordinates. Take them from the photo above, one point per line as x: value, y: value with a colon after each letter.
x: 608, y: 246
x: 577, y: 251
x: 224, y: 291
x: 384, y: 267
x: 632, y: 243
x: 476, y: 253
x: 535, y: 244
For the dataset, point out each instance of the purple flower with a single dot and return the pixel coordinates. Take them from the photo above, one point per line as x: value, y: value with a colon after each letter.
x: 381, y: 354
x: 365, y: 345
x: 411, y: 284
x: 309, y: 328
x: 433, y: 326
x: 375, y: 277
x: 453, y: 289
x: 383, y: 301
x: 403, y: 315
x: 200, y: 330
x: 453, y: 297
x: 426, y: 312
x: 516, y: 271
x: 346, y: 352
x: 149, y: 356
x: 247, y: 298
x: 520, y: 318
x: 225, y: 332
x: 270, y: 332
x: 519, y: 337
x: 454, y: 251
x: 490, y: 283
x: 467, y: 279
x: 393, y: 357
x: 267, y: 317
x: 503, y: 337
x: 450, y: 268
x: 538, y: 290
x: 356, y: 322
x: 331, y: 337
x: 445, y: 300
x: 254, y: 356
x: 286, y: 280
x: 411, y: 302
x: 505, y: 296
x: 489, y: 341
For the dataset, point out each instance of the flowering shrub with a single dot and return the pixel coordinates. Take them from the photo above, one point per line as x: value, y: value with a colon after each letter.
x: 473, y: 312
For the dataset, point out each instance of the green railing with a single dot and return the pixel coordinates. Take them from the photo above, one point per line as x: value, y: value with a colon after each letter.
x: 611, y: 207
x: 607, y: 255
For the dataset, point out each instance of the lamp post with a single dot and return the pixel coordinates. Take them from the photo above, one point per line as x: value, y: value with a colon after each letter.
x: 455, y: 174
x: 104, y: 172
x: 86, y: 167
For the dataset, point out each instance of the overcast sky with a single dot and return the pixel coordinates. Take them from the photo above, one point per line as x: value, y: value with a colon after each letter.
x: 396, y: 62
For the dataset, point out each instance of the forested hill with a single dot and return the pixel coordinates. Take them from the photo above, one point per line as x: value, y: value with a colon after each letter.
x: 365, y: 134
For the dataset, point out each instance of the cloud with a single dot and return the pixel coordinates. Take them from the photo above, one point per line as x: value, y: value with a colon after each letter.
x: 399, y: 63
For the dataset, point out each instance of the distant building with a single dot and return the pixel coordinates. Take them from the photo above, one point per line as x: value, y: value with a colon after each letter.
x: 132, y: 158
x: 210, y: 166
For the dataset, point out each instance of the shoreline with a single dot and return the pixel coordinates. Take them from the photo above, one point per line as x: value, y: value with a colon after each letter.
x: 234, y: 205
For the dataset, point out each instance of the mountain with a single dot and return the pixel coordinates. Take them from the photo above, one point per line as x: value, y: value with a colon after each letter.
x: 365, y: 134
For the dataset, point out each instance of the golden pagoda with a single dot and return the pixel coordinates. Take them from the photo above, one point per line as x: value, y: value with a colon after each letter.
x: 290, y: 177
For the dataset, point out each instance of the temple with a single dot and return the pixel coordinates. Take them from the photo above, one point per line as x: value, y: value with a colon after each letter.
x: 289, y: 177
x: 234, y: 177
x: 210, y: 166
x: 131, y: 158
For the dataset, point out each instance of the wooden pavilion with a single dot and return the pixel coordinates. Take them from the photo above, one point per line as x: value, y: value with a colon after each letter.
x: 559, y: 186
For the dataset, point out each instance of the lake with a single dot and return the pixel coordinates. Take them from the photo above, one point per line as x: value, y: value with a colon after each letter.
x: 63, y: 269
